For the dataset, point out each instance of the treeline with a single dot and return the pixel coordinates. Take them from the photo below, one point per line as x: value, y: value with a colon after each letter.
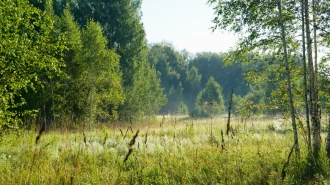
x: 191, y: 82
x: 88, y: 61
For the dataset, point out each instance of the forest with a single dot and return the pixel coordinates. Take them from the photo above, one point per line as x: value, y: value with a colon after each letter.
x: 83, y: 70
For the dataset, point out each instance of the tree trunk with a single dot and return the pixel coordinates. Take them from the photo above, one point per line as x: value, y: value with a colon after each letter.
x: 316, y: 129
x: 44, y: 109
x: 315, y: 53
x: 92, y: 101
x: 53, y: 104
x: 309, y: 140
x: 229, y: 111
x: 287, y: 69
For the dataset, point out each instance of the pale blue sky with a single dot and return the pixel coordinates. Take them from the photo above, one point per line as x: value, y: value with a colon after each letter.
x: 186, y: 24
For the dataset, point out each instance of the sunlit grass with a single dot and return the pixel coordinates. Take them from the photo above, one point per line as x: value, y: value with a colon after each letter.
x: 170, y: 150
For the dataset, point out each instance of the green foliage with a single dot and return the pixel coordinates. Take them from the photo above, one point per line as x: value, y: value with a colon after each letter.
x: 260, y: 45
x: 324, y: 79
x: 235, y: 104
x: 73, y: 91
x: 121, y: 22
x: 29, y: 46
x: 171, y: 67
x: 101, y: 69
x: 210, y: 100
x: 268, y: 94
x: 228, y: 76
x: 194, y: 82
x: 145, y: 95
x: 258, y: 23
x: 194, y: 78
x: 92, y: 86
x: 183, y: 75
x: 182, y: 108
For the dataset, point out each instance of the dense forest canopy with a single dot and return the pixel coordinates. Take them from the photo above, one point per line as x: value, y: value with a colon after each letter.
x: 85, y: 61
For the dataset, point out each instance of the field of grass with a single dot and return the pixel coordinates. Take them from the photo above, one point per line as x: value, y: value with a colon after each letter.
x: 169, y: 150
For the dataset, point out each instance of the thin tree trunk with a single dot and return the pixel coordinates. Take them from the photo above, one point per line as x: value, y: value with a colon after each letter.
x: 229, y: 111
x: 309, y: 140
x: 287, y: 69
x: 316, y: 130
x: 44, y: 108
x: 91, y: 103
x: 53, y: 104
x: 316, y: 89
x: 315, y: 53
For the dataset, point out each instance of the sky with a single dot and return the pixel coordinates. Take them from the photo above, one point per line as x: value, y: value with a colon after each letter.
x: 186, y: 24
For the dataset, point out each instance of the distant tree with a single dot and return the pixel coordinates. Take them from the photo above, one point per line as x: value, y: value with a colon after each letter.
x: 210, y: 100
x: 228, y: 76
x: 175, y: 95
x: 235, y: 106
x: 146, y: 96
x: 186, y: 56
x: 171, y: 68
x: 182, y: 108
x: 194, y: 81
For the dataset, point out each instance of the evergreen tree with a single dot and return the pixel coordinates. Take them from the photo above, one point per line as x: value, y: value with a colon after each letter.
x: 210, y: 100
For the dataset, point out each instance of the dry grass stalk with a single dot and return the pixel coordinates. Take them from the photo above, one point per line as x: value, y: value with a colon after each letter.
x: 222, y: 142
x: 131, y: 143
x: 146, y: 139
x: 43, y: 127
x: 126, y: 132
x: 85, y: 140
x: 121, y: 132
x: 128, y: 154
x: 105, y: 139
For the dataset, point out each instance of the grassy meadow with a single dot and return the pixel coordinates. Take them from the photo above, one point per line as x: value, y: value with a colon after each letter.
x: 166, y: 150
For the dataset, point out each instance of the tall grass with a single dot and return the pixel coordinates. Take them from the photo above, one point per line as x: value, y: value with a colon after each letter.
x: 179, y: 151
